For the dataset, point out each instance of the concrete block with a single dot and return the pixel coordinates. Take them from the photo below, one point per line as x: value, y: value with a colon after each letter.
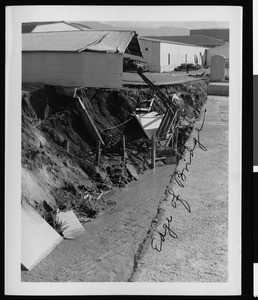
x: 217, y: 68
x: 218, y: 88
x: 75, y: 227
x: 38, y: 238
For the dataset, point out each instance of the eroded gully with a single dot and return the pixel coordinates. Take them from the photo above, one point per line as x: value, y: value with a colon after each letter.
x: 112, y: 243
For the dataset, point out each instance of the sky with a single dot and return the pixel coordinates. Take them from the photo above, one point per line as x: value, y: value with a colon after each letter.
x: 146, y: 16
x: 180, y: 24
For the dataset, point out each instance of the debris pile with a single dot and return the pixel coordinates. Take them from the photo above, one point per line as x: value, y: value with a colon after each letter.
x: 59, y: 155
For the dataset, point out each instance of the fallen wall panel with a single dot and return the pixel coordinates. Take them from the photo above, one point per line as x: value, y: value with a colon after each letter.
x: 74, y: 227
x: 38, y: 238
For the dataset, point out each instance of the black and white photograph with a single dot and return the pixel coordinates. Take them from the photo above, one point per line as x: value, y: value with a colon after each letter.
x: 124, y: 143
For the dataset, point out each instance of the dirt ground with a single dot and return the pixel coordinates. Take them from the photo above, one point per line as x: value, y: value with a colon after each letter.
x: 118, y: 223
x: 199, y: 253
x: 107, y: 249
x: 62, y: 179
x: 117, y: 244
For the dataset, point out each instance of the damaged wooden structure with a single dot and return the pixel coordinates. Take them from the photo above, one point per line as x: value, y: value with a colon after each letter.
x: 75, y: 95
x: 157, y: 129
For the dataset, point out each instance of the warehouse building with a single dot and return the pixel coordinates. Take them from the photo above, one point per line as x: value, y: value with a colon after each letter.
x: 198, y: 40
x: 165, y: 56
x: 91, y: 58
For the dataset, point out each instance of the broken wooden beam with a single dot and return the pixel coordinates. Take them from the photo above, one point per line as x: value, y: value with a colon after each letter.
x: 123, y: 149
x: 87, y: 121
x: 153, y: 150
x: 98, y: 153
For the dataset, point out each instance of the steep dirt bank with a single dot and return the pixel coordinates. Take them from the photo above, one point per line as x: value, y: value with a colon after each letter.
x: 54, y: 178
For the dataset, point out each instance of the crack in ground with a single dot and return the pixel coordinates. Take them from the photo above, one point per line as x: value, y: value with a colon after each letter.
x: 143, y: 247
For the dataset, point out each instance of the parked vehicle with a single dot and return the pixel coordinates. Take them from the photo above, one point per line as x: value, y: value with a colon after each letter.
x: 133, y: 65
x: 190, y: 67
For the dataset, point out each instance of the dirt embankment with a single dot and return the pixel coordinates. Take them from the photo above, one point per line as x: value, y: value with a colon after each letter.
x: 54, y: 178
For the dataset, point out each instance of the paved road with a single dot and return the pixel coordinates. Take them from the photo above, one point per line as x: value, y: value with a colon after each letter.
x: 160, y: 78
x: 199, y: 253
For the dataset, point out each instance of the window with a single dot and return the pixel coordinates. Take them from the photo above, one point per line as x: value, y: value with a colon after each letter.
x: 169, y: 58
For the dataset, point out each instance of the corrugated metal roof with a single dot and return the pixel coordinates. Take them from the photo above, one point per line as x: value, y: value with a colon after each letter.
x: 77, y: 41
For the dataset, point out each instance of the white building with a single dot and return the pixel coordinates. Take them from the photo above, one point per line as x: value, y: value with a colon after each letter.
x: 221, y: 50
x: 164, y: 56
x: 90, y: 58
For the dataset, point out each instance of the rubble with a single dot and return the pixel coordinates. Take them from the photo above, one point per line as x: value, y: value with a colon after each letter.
x: 62, y: 178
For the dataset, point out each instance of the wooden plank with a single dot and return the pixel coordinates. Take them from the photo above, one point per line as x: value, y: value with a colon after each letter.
x: 123, y: 149
x: 175, y: 139
x: 167, y: 123
x: 153, y: 150
x: 98, y: 153
x: 88, y: 122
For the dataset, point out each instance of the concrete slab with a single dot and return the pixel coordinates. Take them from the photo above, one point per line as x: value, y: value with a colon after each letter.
x: 133, y: 79
x: 38, y: 238
x: 217, y: 68
x: 75, y: 228
x: 218, y: 88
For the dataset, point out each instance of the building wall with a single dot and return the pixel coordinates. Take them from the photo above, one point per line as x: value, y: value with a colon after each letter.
x: 85, y: 69
x: 151, y: 53
x: 221, y: 50
x: 178, y: 54
x: 54, y: 27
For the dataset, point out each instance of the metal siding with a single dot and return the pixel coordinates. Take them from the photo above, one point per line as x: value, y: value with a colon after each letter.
x: 102, y: 70
x: 73, y: 69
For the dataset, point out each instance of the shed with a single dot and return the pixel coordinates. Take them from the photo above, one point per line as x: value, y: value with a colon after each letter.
x: 164, y: 56
x: 221, y: 50
x: 91, y: 58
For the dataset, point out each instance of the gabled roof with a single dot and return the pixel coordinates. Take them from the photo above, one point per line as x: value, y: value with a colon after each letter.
x: 191, y: 39
x: 50, y: 26
x: 78, y: 41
